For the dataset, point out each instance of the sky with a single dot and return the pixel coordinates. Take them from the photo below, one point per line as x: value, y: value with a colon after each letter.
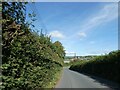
x: 84, y: 28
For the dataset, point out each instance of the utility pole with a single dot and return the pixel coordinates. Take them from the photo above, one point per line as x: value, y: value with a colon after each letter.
x: 74, y: 55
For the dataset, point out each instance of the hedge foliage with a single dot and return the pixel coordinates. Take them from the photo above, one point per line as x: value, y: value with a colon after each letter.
x: 29, y: 61
x: 106, y: 66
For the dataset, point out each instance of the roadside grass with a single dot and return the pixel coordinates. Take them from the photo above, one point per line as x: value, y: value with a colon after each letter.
x: 55, y: 80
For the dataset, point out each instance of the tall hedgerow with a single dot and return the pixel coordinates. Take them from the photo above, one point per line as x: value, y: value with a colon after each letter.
x: 29, y: 61
x: 106, y: 66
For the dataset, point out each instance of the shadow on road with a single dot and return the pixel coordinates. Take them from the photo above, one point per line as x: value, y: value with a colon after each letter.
x: 105, y: 82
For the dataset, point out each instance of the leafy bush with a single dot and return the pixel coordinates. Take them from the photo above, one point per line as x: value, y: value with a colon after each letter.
x: 30, y: 61
x: 107, y: 66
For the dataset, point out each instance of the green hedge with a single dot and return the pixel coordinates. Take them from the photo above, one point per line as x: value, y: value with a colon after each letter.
x: 29, y: 61
x: 106, y: 66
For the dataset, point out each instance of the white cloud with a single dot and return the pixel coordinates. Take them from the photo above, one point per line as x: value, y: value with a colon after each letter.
x: 56, y: 34
x: 108, y: 13
x: 92, y: 42
x: 82, y: 34
x: 69, y: 52
x: 99, y: 52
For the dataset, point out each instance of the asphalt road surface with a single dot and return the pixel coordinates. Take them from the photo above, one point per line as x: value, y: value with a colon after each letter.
x: 72, y: 79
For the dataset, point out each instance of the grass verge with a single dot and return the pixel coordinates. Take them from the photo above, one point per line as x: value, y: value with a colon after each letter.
x: 55, y: 80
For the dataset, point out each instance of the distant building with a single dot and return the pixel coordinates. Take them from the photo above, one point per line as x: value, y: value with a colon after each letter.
x: 75, y: 58
x: 66, y: 61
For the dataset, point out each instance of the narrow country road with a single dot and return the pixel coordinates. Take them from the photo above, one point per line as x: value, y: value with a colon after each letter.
x: 72, y: 79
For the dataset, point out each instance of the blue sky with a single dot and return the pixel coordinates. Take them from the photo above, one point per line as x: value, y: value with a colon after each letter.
x: 86, y: 28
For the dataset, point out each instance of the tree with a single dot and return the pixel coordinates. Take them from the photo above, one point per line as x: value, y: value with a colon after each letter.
x: 59, y: 49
